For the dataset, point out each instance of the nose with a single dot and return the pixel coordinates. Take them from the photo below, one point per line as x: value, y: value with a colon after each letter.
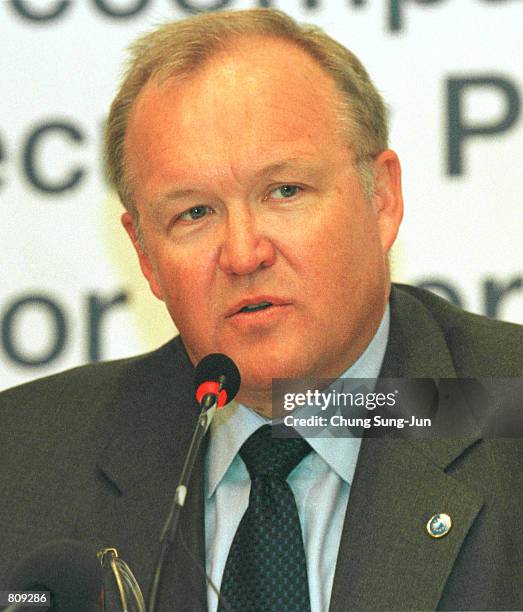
x: 245, y: 247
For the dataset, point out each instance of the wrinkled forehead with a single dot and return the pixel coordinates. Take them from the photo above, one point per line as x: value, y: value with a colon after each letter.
x: 247, y: 100
x: 243, y: 79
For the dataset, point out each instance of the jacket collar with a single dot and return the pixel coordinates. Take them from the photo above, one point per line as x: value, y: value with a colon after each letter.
x: 387, y: 560
x: 419, y: 348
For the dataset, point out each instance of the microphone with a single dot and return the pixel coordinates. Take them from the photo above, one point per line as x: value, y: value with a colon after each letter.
x: 68, y: 569
x: 216, y: 380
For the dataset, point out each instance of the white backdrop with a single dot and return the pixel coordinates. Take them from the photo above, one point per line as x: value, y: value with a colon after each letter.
x: 71, y: 291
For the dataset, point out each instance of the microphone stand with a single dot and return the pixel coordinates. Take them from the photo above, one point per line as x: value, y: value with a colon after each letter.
x: 208, y: 405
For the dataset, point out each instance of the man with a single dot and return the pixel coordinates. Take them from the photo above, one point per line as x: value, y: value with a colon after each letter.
x: 262, y: 201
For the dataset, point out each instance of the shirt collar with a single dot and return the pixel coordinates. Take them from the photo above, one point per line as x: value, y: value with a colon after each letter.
x: 233, y: 424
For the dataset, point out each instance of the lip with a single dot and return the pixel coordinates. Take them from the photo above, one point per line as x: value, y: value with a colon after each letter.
x: 275, y: 301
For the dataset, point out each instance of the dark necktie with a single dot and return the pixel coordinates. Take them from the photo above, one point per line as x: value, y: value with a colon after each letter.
x: 266, y: 568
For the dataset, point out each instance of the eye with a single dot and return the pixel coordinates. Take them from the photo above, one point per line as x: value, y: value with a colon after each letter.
x: 286, y: 191
x: 195, y: 213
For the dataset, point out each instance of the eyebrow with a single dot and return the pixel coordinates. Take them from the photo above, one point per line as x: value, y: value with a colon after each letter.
x: 284, y: 164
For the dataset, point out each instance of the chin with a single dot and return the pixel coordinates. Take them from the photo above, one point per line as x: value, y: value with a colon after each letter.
x: 258, y: 373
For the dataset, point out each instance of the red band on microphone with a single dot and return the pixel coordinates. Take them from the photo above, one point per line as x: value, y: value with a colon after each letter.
x: 214, y: 388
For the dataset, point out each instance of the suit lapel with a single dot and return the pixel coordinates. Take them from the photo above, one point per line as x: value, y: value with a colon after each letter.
x: 150, y: 431
x: 387, y: 559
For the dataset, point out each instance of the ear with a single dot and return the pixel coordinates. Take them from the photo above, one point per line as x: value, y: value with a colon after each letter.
x: 145, y: 262
x: 388, y: 197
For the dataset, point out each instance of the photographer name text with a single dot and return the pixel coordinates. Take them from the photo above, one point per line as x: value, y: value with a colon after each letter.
x: 338, y: 420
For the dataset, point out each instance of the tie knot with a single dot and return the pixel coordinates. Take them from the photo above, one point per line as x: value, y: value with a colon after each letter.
x: 265, y: 455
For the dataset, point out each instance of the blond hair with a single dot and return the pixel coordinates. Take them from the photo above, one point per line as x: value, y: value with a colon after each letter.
x: 178, y: 49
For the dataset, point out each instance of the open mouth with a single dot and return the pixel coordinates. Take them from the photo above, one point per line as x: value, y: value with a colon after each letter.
x: 255, y: 304
x: 255, y: 307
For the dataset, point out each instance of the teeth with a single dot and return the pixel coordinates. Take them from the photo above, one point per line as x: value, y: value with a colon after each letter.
x: 254, y: 307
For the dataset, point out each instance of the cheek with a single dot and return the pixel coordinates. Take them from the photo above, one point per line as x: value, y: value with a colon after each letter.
x: 186, y: 282
x: 189, y: 294
x: 348, y: 255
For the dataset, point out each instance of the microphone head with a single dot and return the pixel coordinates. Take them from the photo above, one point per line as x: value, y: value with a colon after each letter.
x: 212, y: 366
x: 66, y: 568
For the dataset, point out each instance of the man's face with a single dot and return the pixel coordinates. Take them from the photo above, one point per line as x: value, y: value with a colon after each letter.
x: 257, y: 233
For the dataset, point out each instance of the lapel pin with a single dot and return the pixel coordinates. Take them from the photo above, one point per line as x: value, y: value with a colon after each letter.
x: 439, y: 525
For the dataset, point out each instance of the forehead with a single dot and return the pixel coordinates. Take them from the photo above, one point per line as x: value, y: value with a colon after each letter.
x: 249, y: 99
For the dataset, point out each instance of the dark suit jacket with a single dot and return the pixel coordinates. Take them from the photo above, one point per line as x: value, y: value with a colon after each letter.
x: 95, y: 454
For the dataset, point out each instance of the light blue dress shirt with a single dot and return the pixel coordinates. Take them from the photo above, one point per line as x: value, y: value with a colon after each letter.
x: 320, y: 483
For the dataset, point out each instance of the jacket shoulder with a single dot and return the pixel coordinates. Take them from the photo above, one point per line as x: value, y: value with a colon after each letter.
x: 92, y: 379
x: 479, y: 345
x: 75, y: 402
